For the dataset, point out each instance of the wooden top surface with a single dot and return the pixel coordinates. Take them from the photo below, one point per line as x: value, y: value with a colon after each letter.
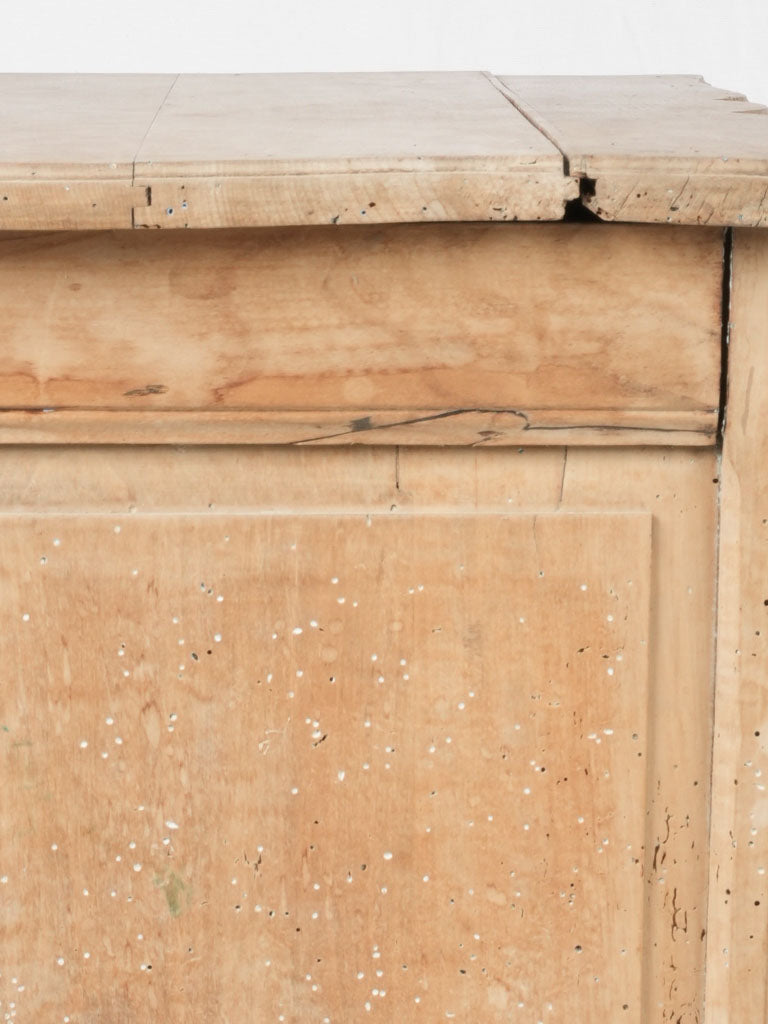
x: 107, y: 151
x: 289, y: 124
x: 666, y: 148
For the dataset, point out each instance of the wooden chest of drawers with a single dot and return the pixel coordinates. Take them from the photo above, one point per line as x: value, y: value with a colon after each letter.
x: 383, y: 549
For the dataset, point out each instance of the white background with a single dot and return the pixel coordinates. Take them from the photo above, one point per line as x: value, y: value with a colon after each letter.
x: 726, y: 41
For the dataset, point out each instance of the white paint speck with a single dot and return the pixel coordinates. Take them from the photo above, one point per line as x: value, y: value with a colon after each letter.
x: 83, y: 744
x: 217, y: 637
x: 387, y: 855
x: 137, y: 867
x: 171, y: 824
x: 341, y: 775
x: 296, y: 630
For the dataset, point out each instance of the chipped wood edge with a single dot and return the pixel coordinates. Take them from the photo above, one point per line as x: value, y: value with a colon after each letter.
x: 487, y: 427
x: 646, y: 196
x: 616, y: 189
x: 737, y: 940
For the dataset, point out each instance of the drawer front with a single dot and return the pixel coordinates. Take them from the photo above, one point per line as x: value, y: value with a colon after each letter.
x: 451, y: 333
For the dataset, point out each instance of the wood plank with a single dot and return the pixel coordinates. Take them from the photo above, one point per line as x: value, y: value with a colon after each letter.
x: 488, y: 428
x: 68, y: 205
x: 69, y: 144
x: 737, y: 961
x: 76, y: 126
x: 427, y: 751
x: 259, y: 149
x: 351, y: 197
x: 273, y: 149
x: 664, y: 148
x: 132, y: 479
x: 394, y: 334
x: 293, y: 149
x: 294, y: 123
x: 679, y: 489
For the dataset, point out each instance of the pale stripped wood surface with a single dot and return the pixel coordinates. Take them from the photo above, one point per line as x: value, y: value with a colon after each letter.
x: 396, y: 334
x: 75, y: 126
x: 242, y: 150
x: 488, y: 428
x: 168, y: 151
x: 350, y: 148
x: 665, y: 149
x: 294, y: 123
x: 676, y: 487
x: 737, y: 962
x: 680, y: 489
x: 68, y: 145
x: 390, y: 764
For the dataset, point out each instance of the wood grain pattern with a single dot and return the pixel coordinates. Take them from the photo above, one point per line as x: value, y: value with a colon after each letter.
x: 399, y: 334
x: 235, y: 150
x: 737, y: 961
x: 68, y: 148
x: 75, y: 126
x: 679, y: 488
x: 247, y: 814
x: 118, y: 151
x: 396, y: 196
x: 488, y: 428
x: 68, y: 205
x: 94, y: 151
x: 662, y: 149
x: 131, y: 479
